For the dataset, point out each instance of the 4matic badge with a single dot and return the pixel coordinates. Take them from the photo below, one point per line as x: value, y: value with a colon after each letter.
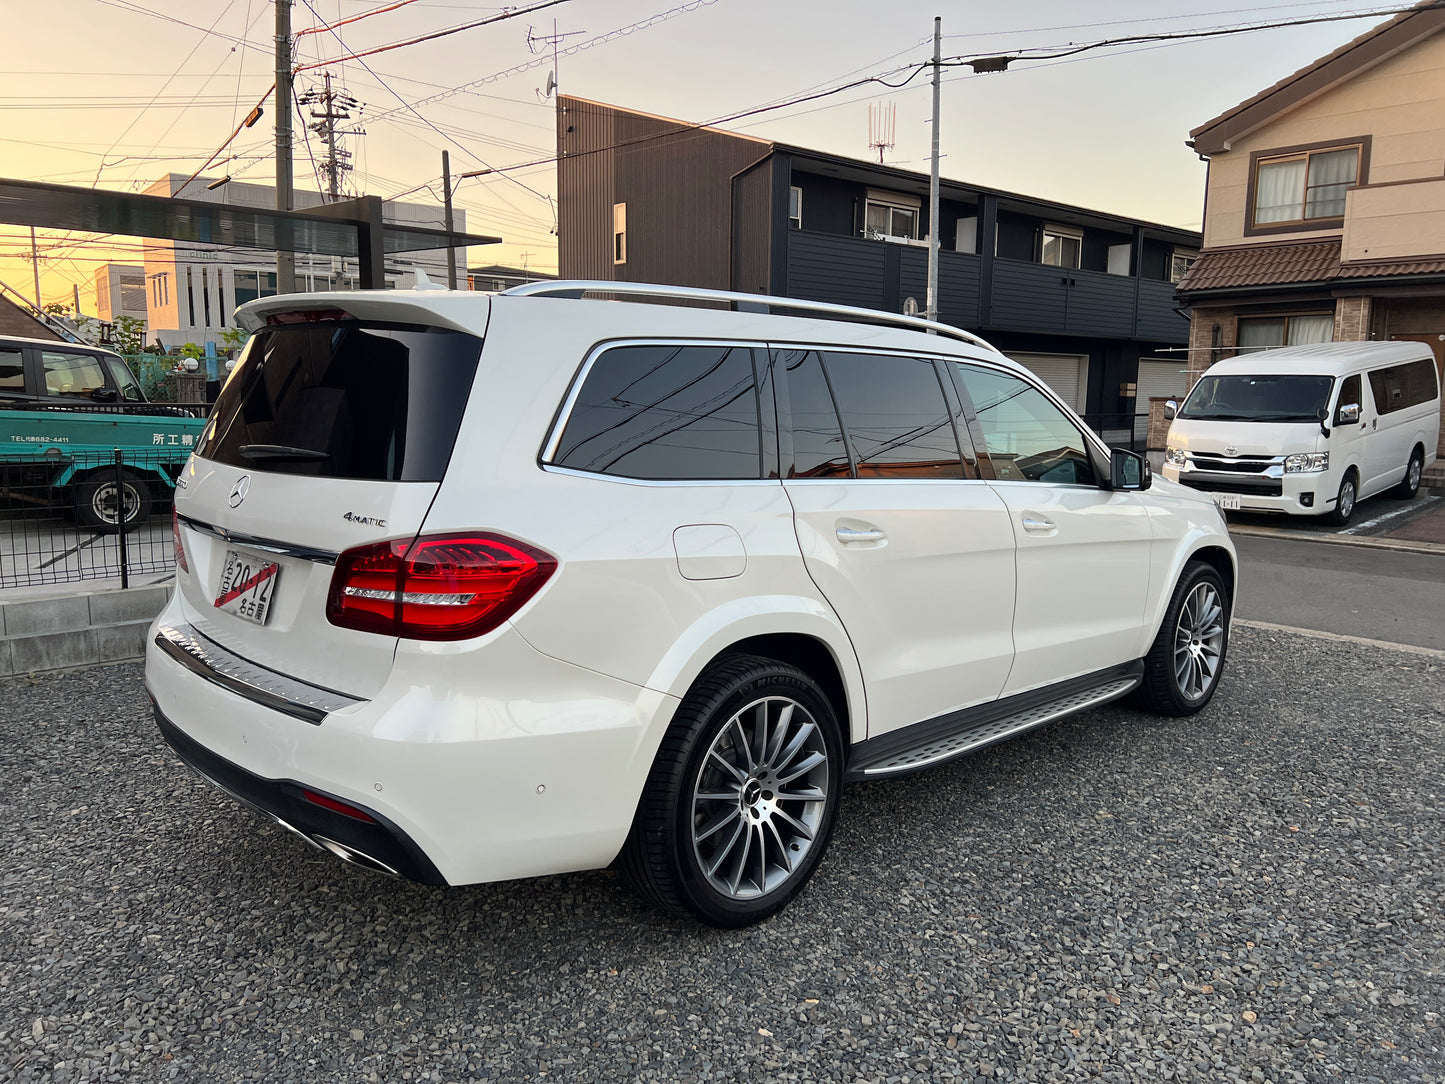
x: 369, y: 521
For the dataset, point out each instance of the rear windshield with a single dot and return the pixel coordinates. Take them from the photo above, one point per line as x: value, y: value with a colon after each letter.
x: 1258, y: 398
x: 381, y: 402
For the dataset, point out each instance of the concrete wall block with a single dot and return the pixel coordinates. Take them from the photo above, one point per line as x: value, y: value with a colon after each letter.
x: 7, y: 663
x: 47, y: 615
x: 135, y: 604
x: 118, y: 643
x: 53, y: 651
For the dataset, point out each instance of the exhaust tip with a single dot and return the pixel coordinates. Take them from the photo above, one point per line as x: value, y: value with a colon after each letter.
x: 352, y: 855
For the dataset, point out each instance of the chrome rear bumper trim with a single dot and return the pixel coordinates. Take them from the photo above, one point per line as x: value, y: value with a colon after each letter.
x: 216, y: 664
x: 266, y: 545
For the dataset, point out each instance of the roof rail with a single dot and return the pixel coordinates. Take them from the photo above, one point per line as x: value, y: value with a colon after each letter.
x: 782, y: 306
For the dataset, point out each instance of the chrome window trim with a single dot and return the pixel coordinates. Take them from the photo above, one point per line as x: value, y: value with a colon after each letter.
x: 266, y: 545
x: 621, y: 479
x: 209, y: 660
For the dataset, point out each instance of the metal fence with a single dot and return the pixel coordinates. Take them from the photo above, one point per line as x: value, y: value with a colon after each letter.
x: 85, y: 515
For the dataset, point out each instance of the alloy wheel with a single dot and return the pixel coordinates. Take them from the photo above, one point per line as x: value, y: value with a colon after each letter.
x: 760, y: 798
x: 1199, y: 641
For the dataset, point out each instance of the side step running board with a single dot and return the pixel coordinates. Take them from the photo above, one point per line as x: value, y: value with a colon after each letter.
x: 926, y: 744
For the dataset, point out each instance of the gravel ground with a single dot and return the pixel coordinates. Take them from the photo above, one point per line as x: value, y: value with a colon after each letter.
x: 1255, y: 894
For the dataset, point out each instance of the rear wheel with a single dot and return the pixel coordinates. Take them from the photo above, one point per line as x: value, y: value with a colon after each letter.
x: 1345, y: 500
x: 1410, y: 484
x: 1184, y: 664
x: 740, y: 803
x: 107, y: 503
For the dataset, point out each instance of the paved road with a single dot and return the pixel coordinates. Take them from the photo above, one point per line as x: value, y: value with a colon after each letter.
x: 1253, y: 894
x: 1350, y: 590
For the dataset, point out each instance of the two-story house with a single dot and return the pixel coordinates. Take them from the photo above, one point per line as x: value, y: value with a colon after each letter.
x: 1325, y: 203
x: 1082, y: 297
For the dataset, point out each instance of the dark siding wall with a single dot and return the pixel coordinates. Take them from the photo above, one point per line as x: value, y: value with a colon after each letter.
x: 1157, y: 318
x: 677, y: 187
x: 837, y: 269
x: 1154, y: 260
x: 752, y: 235
x: 1017, y: 236
x: 1096, y: 248
x: 830, y: 205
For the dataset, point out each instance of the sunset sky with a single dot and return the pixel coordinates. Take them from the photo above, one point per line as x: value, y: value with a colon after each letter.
x: 115, y: 93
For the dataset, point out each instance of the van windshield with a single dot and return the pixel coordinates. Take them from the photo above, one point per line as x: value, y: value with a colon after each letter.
x: 1258, y: 398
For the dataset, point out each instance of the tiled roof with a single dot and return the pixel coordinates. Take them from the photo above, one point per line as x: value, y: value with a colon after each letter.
x: 1263, y: 265
x: 1292, y: 263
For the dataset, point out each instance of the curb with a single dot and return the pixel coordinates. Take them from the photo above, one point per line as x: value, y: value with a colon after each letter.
x: 1399, y: 545
x: 65, y: 631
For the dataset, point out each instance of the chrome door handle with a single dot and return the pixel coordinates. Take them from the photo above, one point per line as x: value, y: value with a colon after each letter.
x: 1034, y: 522
x: 848, y: 534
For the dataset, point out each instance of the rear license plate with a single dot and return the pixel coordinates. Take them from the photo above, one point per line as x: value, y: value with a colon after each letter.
x: 1228, y: 502
x: 248, y: 584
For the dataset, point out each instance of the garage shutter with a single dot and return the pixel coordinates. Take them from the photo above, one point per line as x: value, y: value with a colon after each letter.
x: 1157, y: 379
x: 1067, y: 374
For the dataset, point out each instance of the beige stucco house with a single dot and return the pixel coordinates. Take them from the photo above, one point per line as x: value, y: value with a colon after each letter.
x: 1324, y: 214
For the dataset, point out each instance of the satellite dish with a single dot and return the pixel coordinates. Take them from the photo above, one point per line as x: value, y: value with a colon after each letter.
x: 551, y: 83
x: 910, y: 306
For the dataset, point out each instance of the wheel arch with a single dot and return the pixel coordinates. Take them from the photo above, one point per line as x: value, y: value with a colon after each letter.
x: 1203, y: 548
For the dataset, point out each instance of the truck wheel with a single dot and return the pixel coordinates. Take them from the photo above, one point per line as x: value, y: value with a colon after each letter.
x: 1345, y: 503
x: 1410, y: 484
x: 741, y: 800
x: 97, y: 508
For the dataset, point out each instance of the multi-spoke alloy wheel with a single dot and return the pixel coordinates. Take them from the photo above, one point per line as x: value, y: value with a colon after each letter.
x: 1183, y: 666
x: 1199, y: 641
x: 740, y: 803
x: 760, y: 797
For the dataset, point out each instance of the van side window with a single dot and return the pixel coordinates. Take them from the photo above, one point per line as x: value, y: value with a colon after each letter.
x: 667, y: 412
x: 72, y: 374
x: 896, y: 418
x: 819, y: 450
x: 1029, y: 438
x: 12, y: 370
x: 1402, y: 386
x: 1349, y: 393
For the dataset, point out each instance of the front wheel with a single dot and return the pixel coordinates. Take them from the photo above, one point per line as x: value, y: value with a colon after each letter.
x: 107, y: 503
x: 740, y: 803
x: 1345, y: 500
x: 1184, y: 664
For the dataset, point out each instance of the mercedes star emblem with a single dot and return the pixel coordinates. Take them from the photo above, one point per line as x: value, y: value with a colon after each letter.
x: 239, y: 490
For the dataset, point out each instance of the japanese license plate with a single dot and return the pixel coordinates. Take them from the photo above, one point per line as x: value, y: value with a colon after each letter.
x: 248, y: 584
x: 1228, y: 502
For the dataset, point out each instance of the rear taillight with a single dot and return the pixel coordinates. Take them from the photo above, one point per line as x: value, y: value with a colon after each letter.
x: 180, y: 546
x: 438, y: 587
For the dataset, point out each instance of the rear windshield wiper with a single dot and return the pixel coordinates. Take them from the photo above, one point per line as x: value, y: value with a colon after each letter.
x: 280, y: 451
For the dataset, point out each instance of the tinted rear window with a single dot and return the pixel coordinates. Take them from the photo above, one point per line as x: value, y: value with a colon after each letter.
x: 345, y: 400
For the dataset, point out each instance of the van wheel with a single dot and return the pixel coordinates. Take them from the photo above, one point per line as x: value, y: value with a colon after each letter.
x: 97, y: 506
x: 1183, y: 666
x: 1345, y: 502
x: 1410, y: 484
x: 740, y: 803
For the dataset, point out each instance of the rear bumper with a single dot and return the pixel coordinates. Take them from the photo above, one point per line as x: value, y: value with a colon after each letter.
x: 479, y: 761
x: 378, y: 845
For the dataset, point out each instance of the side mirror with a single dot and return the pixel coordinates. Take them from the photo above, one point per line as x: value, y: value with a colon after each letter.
x: 1348, y: 412
x: 1171, y: 410
x: 104, y: 395
x: 1129, y: 470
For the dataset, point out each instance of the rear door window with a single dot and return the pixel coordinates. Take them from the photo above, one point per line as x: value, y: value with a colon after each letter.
x: 381, y: 402
x: 666, y: 412
x: 819, y: 450
x: 895, y: 416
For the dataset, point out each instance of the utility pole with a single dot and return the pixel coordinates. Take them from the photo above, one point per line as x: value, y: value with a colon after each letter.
x: 932, y: 312
x: 447, y: 218
x: 285, y: 260
x: 35, y: 263
x: 335, y: 106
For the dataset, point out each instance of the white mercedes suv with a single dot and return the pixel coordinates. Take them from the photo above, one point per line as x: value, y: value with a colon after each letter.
x: 473, y: 587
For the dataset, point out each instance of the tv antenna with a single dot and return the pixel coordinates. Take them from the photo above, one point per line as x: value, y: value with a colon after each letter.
x: 882, y: 120
x: 537, y: 43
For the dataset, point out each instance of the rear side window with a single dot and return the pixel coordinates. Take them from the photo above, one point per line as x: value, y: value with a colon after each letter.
x: 345, y: 400
x: 1403, y: 386
x: 12, y: 370
x: 895, y: 415
x: 666, y: 412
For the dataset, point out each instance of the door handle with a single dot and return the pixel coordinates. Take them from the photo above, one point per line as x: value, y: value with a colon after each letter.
x: 1374, y: 423
x: 1037, y: 524
x: 848, y: 534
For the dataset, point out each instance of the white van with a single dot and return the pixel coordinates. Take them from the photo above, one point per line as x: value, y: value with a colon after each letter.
x: 1308, y: 430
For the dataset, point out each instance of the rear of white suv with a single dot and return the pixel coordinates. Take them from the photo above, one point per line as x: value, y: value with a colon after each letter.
x: 477, y: 588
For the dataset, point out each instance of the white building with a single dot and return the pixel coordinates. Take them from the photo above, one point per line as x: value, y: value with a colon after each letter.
x: 120, y: 290
x: 193, y: 289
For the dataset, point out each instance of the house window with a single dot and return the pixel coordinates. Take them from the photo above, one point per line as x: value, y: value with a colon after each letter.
x: 619, y: 233
x: 891, y: 216
x: 1305, y: 186
x: 1180, y: 261
x: 795, y: 208
x: 1260, y: 333
x: 1062, y: 246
